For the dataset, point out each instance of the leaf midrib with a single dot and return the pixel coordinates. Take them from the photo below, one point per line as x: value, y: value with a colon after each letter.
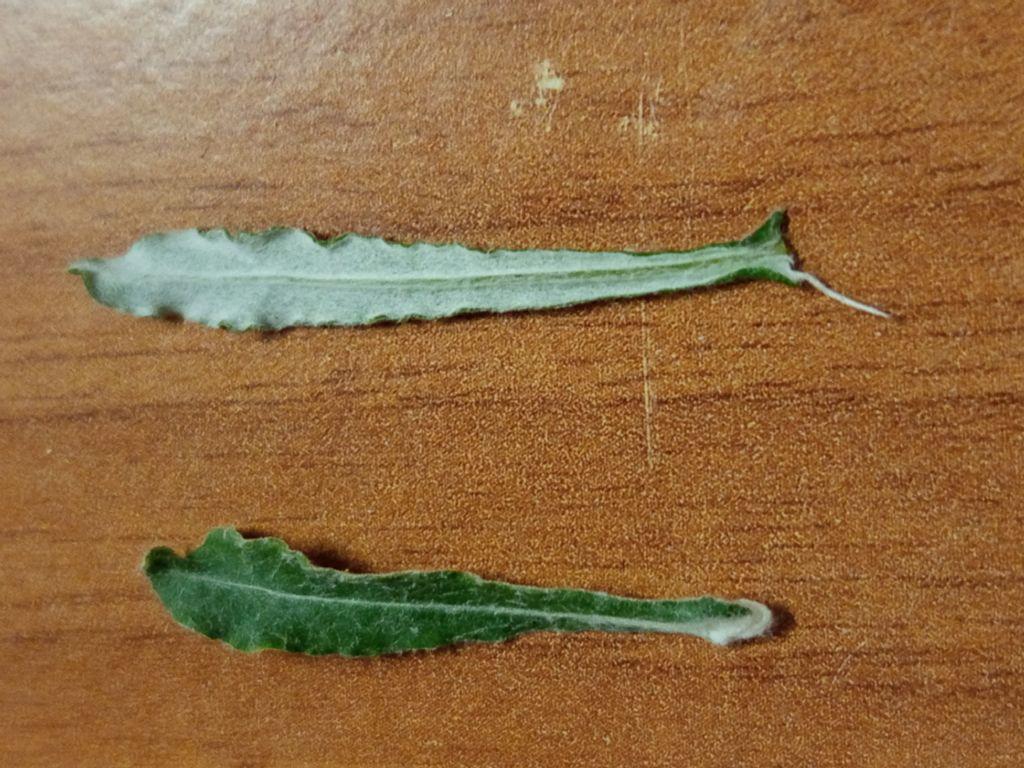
x: 408, y: 278
x: 590, y: 619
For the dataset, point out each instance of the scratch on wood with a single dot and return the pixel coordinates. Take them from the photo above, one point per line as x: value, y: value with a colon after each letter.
x: 648, y: 388
x: 644, y: 122
x: 842, y: 666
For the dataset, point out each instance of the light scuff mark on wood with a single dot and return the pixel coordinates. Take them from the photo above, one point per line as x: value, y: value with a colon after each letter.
x: 547, y: 86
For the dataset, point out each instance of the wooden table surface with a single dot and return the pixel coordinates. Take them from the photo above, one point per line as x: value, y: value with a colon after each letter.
x: 862, y: 475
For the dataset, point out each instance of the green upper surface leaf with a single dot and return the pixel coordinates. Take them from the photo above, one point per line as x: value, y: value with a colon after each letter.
x: 258, y: 593
x: 286, y: 277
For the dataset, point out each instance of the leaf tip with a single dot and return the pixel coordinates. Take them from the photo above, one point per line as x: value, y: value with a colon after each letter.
x: 773, y: 230
x: 87, y: 269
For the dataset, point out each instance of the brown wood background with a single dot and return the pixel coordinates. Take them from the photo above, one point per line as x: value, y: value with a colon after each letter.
x: 755, y: 440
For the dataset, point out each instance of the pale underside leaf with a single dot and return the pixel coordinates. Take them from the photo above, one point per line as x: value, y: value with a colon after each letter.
x: 256, y: 594
x: 286, y: 277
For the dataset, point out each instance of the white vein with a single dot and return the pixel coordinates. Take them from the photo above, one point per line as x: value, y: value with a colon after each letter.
x: 720, y: 631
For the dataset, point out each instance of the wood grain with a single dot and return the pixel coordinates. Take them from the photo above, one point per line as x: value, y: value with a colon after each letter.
x: 756, y: 441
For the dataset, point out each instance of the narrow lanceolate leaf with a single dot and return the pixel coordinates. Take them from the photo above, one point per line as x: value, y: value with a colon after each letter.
x: 258, y: 593
x: 286, y: 277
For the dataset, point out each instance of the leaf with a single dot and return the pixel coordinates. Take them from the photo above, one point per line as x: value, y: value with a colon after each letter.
x: 258, y: 593
x: 286, y: 277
